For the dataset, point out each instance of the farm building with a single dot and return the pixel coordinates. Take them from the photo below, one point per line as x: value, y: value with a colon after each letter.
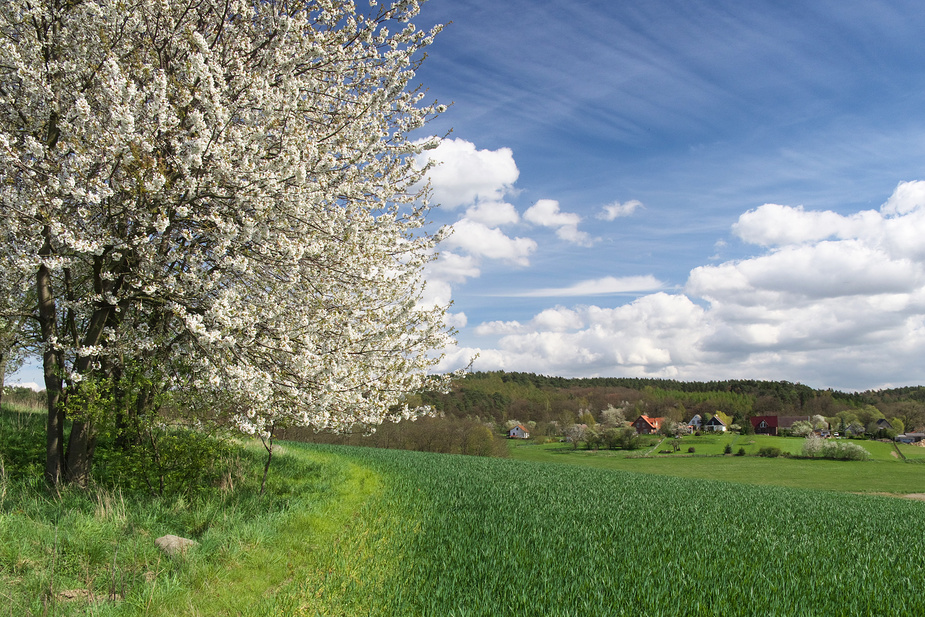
x: 518, y: 432
x: 645, y: 425
x: 771, y: 425
x: 716, y: 425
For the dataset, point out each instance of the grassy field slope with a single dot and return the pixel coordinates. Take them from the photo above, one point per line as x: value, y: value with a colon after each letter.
x: 360, y: 531
x: 884, y: 473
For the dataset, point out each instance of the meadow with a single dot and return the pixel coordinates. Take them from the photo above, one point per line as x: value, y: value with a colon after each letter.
x: 885, y: 472
x: 362, y: 531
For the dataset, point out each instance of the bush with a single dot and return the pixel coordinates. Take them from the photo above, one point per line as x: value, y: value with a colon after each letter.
x: 741, y: 452
x: 691, y: 450
x: 769, y: 452
x: 834, y: 449
x: 727, y: 449
x: 844, y: 451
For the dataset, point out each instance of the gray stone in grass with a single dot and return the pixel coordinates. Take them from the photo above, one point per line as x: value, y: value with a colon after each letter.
x: 175, y: 545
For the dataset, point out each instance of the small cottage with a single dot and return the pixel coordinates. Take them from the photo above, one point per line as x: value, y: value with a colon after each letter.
x: 716, y: 425
x: 645, y: 425
x: 518, y: 432
x: 764, y: 425
x: 695, y: 423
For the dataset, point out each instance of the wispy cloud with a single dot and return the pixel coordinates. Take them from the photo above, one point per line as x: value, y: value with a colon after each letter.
x: 842, y: 306
x: 608, y: 285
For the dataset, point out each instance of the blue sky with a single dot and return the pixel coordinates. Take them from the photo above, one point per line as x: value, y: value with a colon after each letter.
x: 689, y: 190
x: 688, y: 122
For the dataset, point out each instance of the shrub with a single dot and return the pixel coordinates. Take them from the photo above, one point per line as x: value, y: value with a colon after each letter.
x: 769, y: 452
x: 741, y: 452
x: 844, y: 451
x: 834, y: 449
x: 727, y: 449
x: 691, y: 450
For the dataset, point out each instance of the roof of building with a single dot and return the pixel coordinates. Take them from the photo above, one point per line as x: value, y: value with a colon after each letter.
x: 655, y: 423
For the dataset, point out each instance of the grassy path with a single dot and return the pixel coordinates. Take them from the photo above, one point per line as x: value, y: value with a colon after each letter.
x: 319, y: 543
x: 327, y: 557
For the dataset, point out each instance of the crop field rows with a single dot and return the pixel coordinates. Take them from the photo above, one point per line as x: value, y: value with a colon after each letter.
x: 500, y: 537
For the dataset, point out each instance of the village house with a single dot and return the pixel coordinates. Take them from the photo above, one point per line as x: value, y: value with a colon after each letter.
x: 695, y: 423
x: 645, y: 425
x: 716, y: 425
x: 884, y: 425
x: 771, y: 425
x: 518, y: 432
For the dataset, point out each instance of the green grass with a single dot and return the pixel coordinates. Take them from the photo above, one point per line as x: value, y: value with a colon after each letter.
x: 359, y: 531
x: 883, y: 474
x: 501, y: 537
x: 295, y: 549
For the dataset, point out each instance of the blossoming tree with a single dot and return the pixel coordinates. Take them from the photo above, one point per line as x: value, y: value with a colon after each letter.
x: 220, y: 189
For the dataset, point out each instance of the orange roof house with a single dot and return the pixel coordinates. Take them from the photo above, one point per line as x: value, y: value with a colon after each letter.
x: 645, y: 425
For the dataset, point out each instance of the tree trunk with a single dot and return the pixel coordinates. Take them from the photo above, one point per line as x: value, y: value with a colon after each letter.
x: 80, y: 445
x: 82, y: 439
x: 3, y: 361
x: 51, y: 363
x: 268, y: 444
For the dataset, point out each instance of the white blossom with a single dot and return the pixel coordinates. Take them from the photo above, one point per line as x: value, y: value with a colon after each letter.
x: 227, y: 187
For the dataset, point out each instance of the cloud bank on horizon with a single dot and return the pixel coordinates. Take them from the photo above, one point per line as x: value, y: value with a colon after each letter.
x: 837, y: 298
x: 693, y: 191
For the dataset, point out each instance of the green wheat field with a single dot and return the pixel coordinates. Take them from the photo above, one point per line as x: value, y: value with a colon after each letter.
x: 359, y: 531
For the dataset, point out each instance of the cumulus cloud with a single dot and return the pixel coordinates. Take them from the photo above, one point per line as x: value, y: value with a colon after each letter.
x: 616, y: 210
x: 480, y: 240
x: 462, y: 175
x: 834, y: 300
x: 493, y: 214
x: 453, y: 267
x: 546, y: 213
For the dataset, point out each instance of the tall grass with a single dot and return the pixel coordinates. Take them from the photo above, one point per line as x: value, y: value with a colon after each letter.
x: 73, y: 551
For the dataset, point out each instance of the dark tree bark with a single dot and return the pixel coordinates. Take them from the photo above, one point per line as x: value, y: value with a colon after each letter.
x: 51, y: 363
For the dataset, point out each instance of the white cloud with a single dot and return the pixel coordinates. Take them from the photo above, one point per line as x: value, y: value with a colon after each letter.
x: 453, y: 268
x: 546, y: 213
x: 456, y: 320
x: 480, y: 240
x: 597, y: 287
x: 907, y: 197
x: 832, y: 300
x: 498, y: 327
x: 558, y: 319
x: 31, y: 385
x: 616, y: 210
x: 463, y: 175
x: 493, y: 213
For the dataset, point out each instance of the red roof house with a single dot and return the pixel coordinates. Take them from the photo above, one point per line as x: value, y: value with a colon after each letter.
x: 770, y: 425
x: 645, y: 425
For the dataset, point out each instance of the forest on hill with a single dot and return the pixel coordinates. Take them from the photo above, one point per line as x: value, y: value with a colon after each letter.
x: 501, y: 397
x: 474, y: 415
